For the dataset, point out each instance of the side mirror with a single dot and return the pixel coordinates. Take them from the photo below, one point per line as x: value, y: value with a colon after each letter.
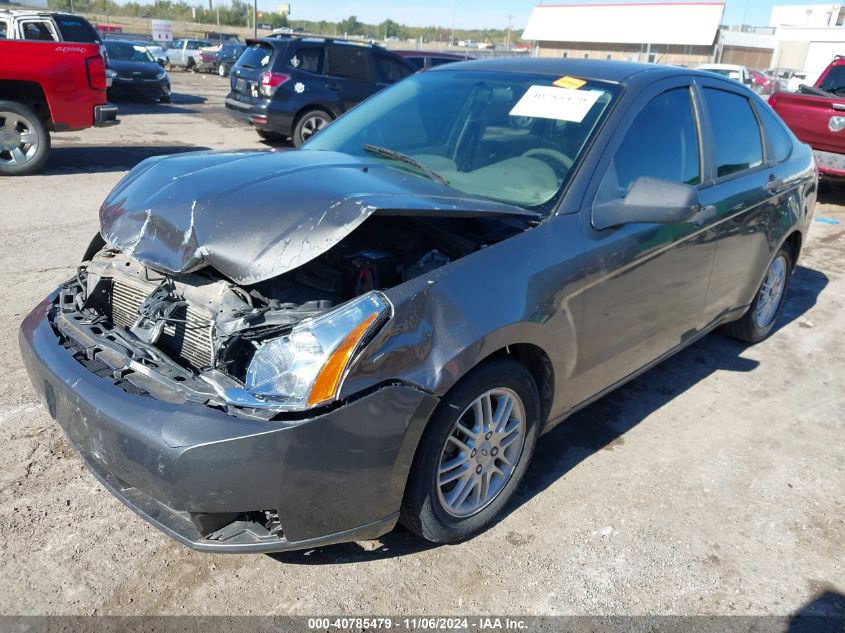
x: 160, y: 62
x: 650, y: 200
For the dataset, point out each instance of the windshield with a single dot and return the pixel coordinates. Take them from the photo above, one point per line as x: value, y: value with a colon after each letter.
x: 509, y: 137
x: 128, y: 52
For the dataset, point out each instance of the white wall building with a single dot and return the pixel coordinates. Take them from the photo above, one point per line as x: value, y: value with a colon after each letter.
x: 807, y: 15
x: 662, y: 32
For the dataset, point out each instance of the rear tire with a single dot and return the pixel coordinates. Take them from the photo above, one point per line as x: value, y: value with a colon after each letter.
x: 223, y: 70
x: 309, y: 124
x: 763, y: 313
x: 24, y: 140
x: 487, y: 461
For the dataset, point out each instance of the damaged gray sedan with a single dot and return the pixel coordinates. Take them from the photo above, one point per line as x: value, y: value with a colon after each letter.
x: 265, y: 351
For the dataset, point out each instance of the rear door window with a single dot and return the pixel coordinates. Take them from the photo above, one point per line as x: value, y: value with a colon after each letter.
x: 351, y: 62
x: 736, y: 132
x: 76, y: 29
x: 391, y: 70
x: 256, y: 56
x: 309, y: 59
x: 662, y: 142
x: 4, y: 30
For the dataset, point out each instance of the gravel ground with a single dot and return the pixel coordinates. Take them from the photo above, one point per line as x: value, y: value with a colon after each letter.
x: 713, y: 484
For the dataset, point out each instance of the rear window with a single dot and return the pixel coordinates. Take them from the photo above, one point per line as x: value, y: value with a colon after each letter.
x: 256, y: 56
x: 416, y: 62
x: 834, y: 81
x: 76, y: 29
x: 350, y: 62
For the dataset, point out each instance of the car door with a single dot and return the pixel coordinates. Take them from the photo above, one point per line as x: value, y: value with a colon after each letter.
x: 174, y: 53
x: 646, y: 282
x: 744, y: 193
x: 349, y: 74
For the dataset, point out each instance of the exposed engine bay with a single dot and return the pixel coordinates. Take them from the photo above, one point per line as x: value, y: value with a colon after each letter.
x: 192, y: 336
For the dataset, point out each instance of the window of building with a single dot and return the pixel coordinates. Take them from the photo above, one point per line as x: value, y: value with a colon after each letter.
x: 739, y: 145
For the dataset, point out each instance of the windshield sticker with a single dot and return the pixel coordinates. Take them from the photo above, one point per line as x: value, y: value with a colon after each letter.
x: 294, y: 61
x: 299, y: 87
x: 561, y: 104
x: 569, y: 82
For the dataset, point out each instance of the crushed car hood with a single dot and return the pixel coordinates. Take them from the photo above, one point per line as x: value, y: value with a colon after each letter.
x: 253, y: 215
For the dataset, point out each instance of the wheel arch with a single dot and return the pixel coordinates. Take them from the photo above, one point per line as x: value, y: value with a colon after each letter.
x: 30, y: 94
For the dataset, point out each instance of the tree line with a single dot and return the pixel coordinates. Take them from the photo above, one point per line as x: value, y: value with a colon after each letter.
x: 239, y: 13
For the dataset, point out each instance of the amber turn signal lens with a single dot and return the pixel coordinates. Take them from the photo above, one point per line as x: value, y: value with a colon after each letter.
x: 328, y: 380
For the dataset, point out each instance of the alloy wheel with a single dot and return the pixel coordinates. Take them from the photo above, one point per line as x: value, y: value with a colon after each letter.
x: 312, y: 125
x: 481, y: 452
x: 771, y: 292
x: 18, y: 139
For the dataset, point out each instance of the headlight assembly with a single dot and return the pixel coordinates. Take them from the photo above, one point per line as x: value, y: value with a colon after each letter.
x: 305, y: 368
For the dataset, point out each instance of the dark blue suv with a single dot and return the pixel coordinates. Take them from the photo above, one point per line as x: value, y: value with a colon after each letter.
x: 293, y: 86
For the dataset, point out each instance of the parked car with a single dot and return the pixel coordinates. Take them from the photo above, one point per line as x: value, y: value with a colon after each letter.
x: 137, y: 74
x: 275, y: 350
x: 761, y: 83
x: 425, y: 60
x: 185, y: 53
x: 817, y: 117
x: 46, y: 26
x: 157, y: 52
x: 47, y: 87
x: 290, y: 86
x: 220, y: 59
x: 788, y: 80
x: 732, y: 71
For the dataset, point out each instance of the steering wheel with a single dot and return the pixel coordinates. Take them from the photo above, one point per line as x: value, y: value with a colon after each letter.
x: 555, y: 155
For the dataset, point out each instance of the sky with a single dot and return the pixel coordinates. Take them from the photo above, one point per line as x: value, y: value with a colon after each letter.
x: 479, y: 13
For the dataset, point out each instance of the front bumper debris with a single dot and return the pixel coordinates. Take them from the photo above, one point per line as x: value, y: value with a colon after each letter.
x: 208, y: 478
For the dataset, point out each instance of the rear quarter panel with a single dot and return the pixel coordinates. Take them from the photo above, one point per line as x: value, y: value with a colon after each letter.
x: 60, y: 69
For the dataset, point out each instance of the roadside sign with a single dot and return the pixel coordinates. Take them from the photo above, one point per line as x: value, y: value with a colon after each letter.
x: 162, y: 30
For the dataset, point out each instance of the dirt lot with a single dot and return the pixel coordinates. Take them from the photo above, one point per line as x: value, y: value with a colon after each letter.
x: 712, y: 484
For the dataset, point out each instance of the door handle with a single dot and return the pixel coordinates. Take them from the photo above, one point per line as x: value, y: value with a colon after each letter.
x: 774, y: 184
x: 335, y: 87
x: 704, y: 215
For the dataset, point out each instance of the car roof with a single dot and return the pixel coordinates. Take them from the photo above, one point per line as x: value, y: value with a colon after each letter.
x: 723, y: 66
x: 600, y: 70
x: 291, y: 37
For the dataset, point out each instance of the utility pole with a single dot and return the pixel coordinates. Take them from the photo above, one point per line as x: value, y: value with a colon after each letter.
x: 508, y: 37
x: 255, y: 18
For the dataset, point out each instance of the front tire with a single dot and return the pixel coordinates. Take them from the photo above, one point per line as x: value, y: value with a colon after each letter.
x: 473, y: 454
x: 24, y: 140
x: 762, y: 316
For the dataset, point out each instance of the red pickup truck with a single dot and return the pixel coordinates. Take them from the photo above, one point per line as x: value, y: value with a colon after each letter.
x: 816, y: 115
x: 47, y: 87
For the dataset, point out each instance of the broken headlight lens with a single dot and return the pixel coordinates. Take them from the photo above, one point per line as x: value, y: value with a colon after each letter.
x: 305, y: 368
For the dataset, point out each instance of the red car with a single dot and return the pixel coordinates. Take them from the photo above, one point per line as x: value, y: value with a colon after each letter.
x: 816, y: 115
x: 47, y: 87
x: 761, y: 83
